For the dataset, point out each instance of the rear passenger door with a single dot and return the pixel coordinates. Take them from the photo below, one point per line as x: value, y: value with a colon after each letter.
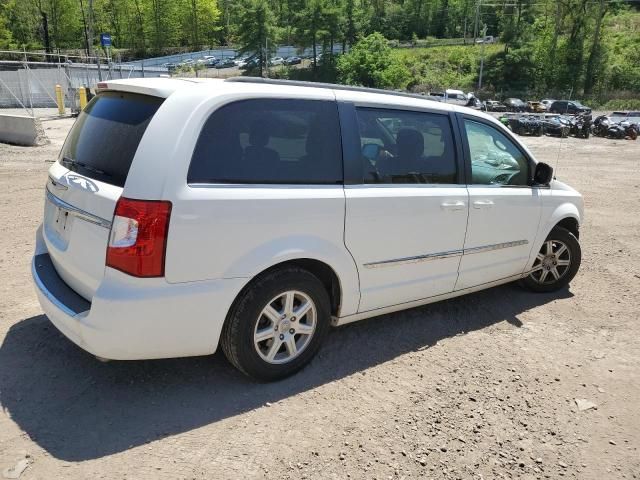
x: 406, y: 204
x: 264, y: 186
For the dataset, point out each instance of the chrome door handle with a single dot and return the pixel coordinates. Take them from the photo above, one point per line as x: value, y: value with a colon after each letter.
x: 453, y: 206
x: 483, y: 204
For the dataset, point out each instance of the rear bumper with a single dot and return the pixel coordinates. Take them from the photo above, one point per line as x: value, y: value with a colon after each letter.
x: 134, y: 319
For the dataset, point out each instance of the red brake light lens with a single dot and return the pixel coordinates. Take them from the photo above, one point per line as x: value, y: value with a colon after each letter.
x: 138, y: 238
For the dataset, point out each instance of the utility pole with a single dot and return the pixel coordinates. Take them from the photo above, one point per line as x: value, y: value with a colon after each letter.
x: 84, y: 28
x: 475, y: 28
x: 90, y: 27
x: 484, y: 34
x: 266, y: 56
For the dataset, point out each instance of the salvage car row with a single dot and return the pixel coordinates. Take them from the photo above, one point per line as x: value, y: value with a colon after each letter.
x: 567, y: 107
x: 618, y: 125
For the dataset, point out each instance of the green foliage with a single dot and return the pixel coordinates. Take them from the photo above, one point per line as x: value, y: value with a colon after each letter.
x: 6, y: 37
x: 438, y: 68
x: 558, y: 48
x: 257, y: 30
x: 622, y: 104
x: 372, y: 63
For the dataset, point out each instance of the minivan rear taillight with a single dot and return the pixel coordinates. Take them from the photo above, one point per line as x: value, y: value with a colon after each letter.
x: 138, y: 238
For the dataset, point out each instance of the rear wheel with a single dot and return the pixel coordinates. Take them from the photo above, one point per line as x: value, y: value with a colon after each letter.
x: 277, y: 324
x: 556, y: 263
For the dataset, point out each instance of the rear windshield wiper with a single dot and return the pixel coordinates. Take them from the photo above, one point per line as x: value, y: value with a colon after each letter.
x: 85, y: 166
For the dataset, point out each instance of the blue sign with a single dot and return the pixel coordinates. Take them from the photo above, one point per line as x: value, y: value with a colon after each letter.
x: 105, y: 39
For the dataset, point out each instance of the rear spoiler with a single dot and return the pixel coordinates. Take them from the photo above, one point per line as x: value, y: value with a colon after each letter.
x: 156, y: 87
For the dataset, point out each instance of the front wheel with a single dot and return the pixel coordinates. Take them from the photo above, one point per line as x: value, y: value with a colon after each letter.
x: 556, y: 263
x: 277, y: 324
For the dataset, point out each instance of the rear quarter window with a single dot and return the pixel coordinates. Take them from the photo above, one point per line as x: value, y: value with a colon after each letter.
x: 104, y: 139
x: 269, y: 141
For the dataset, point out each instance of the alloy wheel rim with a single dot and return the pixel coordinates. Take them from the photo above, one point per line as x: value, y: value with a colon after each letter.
x: 552, y: 262
x: 285, y: 327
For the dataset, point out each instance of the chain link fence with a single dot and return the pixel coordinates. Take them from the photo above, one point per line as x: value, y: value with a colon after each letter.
x: 28, y: 81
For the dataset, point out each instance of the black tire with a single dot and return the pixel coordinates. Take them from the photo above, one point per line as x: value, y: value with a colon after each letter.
x: 237, y: 337
x: 564, y: 236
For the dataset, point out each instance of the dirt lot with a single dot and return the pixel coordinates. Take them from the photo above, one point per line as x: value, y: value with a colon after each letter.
x: 482, y: 386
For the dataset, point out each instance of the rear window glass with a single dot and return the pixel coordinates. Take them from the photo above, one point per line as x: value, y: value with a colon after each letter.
x: 105, y: 137
x: 270, y: 141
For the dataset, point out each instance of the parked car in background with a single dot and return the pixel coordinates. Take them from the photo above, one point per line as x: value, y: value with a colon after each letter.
x: 515, y: 105
x: 556, y: 126
x: 226, y: 63
x: 568, y: 107
x: 240, y: 61
x: 547, y: 103
x: 536, y: 107
x: 580, y: 125
x: 634, y: 119
x: 293, y: 61
x: 160, y: 242
x: 494, y: 106
x: 526, y: 125
x: 456, y: 97
x: 486, y: 39
x: 276, y: 61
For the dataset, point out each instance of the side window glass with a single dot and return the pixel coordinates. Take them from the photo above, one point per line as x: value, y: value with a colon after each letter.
x: 271, y: 141
x: 494, y: 158
x: 406, y: 147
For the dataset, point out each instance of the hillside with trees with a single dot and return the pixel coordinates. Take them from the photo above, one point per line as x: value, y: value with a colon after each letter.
x: 588, y: 48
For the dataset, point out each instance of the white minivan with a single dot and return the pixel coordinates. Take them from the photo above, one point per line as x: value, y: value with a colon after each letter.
x: 182, y: 214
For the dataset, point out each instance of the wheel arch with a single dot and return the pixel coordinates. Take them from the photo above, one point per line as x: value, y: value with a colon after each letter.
x: 569, y: 223
x: 566, y: 215
x: 322, y: 270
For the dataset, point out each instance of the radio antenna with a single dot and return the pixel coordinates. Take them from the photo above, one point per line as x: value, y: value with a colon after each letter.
x: 555, y: 170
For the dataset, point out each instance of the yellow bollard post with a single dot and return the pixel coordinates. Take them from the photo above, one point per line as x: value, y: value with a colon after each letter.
x: 82, y: 92
x: 60, y: 99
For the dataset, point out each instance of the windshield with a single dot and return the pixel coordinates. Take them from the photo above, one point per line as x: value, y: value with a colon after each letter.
x: 105, y: 137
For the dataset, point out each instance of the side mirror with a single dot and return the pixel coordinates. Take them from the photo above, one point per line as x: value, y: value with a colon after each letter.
x: 543, y: 174
x: 370, y: 151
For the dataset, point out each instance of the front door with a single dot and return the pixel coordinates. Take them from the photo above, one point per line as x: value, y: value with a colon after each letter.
x: 406, y: 218
x: 504, y: 210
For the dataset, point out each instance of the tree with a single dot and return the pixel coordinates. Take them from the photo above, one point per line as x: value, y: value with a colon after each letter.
x: 350, y: 28
x: 6, y: 38
x: 371, y: 63
x: 256, y: 30
x: 595, y: 55
x: 312, y: 25
x: 200, y: 21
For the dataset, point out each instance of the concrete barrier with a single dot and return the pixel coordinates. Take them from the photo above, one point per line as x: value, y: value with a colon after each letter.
x: 19, y: 130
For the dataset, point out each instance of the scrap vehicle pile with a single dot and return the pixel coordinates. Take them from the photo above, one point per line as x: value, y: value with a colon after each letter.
x: 618, y: 125
x: 558, y: 118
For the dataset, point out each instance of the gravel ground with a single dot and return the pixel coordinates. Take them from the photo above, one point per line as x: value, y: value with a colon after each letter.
x: 498, y: 384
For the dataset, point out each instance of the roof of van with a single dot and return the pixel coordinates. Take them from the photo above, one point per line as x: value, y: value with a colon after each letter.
x: 163, y: 87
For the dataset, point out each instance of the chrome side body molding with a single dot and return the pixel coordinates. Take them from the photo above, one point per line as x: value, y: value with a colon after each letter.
x: 441, y: 255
